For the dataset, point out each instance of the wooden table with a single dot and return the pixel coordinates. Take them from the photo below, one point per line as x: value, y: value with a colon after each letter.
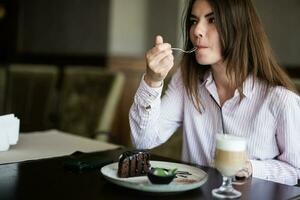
x: 47, y: 179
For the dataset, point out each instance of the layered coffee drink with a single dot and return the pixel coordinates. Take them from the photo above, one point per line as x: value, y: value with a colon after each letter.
x: 230, y: 154
x: 230, y: 157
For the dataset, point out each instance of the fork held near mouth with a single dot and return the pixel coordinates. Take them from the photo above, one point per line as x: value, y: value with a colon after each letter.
x: 185, y: 51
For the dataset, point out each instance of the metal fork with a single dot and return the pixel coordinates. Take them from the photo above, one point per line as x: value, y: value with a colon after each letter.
x: 184, y: 51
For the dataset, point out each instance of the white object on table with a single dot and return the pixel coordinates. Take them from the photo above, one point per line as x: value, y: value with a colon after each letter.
x: 51, y: 143
x: 4, y: 143
x: 9, y: 131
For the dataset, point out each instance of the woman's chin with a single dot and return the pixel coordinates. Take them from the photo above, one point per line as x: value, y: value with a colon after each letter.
x: 206, y: 61
x: 203, y: 60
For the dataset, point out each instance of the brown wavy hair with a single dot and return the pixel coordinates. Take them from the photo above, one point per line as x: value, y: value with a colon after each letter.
x: 244, y: 45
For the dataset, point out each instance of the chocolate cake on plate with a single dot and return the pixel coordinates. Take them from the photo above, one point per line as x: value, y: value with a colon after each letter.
x: 133, y: 163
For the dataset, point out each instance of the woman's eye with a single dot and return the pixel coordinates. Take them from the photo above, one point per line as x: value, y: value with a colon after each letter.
x: 211, y: 20
x: 193, y: 21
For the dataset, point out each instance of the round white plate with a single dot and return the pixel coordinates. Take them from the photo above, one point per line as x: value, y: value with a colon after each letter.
x: 194, y: 179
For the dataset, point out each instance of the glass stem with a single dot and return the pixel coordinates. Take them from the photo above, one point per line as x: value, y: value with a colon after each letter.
x: 227, y: 183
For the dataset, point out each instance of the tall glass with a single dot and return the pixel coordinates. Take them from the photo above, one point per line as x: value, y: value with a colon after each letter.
x: 230, y: 157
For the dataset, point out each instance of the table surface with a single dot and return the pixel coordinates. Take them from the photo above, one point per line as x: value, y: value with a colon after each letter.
x: 48, y: 144
x: 47, y: 179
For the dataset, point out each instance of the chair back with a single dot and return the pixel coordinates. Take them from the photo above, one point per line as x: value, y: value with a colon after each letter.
x: 30, y: 92
x: 88, y: 100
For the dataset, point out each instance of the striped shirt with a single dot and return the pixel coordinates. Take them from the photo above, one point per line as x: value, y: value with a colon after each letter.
x: 269, y: 122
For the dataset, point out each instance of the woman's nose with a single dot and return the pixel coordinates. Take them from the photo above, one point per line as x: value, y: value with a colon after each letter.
x: 199, y: 30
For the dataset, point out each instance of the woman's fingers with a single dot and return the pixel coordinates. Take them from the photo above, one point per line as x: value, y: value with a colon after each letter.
x: 158, y: 40
x: 246, y: 171
x: 158, y: 53
x: 154, y: 60
x: 158, y: 49
x: 159, y: 60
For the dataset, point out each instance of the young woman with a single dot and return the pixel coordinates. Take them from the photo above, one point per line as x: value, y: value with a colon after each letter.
x: 231, y: 84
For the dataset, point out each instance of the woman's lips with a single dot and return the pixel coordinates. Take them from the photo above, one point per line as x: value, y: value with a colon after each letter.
x: 201, y: 48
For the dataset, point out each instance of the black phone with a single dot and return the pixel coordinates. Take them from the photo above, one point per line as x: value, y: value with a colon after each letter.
x: 79, y: 161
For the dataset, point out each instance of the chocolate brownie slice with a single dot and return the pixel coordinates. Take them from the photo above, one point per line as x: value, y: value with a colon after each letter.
x: 133, y: 163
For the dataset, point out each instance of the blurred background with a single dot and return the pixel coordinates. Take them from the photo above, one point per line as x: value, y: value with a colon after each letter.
x: 75, y: 65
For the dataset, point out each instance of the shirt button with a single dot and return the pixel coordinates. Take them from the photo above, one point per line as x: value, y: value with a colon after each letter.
x: 148, y: 108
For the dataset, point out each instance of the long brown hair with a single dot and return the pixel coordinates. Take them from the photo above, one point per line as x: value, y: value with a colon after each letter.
x: 244, y: 45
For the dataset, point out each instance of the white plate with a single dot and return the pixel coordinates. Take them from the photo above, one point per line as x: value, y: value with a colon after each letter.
x: 195, y: 179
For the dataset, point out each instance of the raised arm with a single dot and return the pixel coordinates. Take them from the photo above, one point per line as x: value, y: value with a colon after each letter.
x: 153, y: 120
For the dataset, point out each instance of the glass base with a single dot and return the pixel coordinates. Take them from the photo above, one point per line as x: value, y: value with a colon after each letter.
x: 226, y: 193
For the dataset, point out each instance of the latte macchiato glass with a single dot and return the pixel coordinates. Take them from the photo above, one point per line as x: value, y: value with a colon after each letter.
x: 230, y: 157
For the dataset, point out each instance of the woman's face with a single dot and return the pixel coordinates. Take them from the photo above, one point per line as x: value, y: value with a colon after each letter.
x: 204, y: 34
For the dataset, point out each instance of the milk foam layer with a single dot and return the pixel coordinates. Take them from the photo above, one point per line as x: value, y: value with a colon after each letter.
x: 230, y: 143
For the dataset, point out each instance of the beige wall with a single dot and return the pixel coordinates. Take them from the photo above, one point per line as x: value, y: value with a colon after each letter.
x: 127, y: 27
x: 134, y: 23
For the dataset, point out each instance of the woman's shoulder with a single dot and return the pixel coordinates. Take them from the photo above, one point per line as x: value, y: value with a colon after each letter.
x: 283, y: 98
x: 275, y: 93
x: 283, y: 94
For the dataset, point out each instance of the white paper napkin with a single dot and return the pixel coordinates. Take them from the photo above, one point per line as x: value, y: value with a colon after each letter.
x: 9, y: 131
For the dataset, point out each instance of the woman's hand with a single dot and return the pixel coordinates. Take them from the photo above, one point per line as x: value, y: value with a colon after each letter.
x: 246, y: 172
x: 159, y: 60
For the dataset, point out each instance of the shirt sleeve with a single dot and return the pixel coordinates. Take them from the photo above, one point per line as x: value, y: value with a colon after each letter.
x: 153, y: 120
x: 285, y: 168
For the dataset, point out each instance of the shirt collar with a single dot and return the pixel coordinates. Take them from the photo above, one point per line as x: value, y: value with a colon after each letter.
x: 248, y: 85
x: 207, y: 78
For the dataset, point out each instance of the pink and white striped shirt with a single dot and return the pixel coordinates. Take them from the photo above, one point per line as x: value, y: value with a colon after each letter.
x: 269, y: 122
